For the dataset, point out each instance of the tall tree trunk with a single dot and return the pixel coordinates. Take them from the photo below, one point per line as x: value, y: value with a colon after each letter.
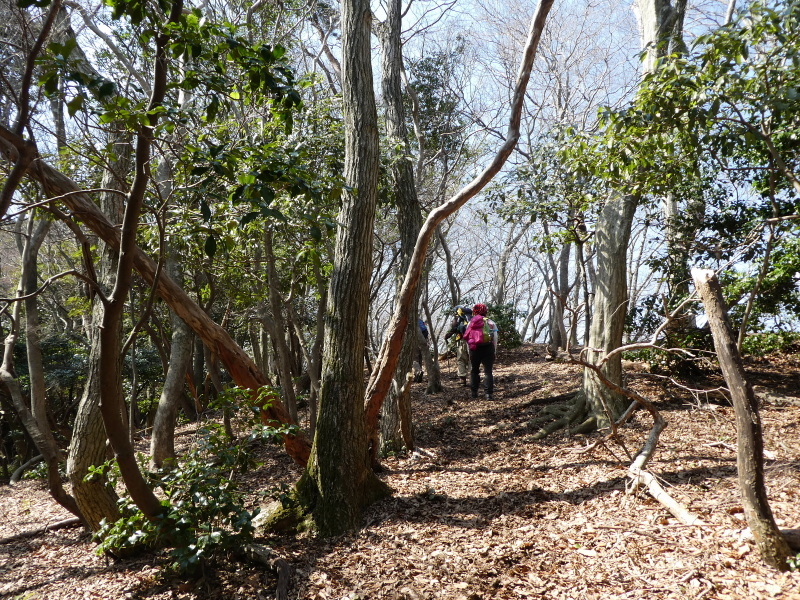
x: 29, y: 283
x: 95, y: 496
x: 610, y: 306
x: 386, y: 363
x: 111, y: 393
x: 559, y: 292
x: 499, y: 284
x: 42, y: 438
x: 750, y: 442
x: 661, y: 25
x: 276, y: 302
x: 162, y: 441
x: 338, y: 481
x: 409, y: 220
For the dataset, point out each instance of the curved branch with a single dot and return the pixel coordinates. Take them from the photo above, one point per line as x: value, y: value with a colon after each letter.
x: 385, y: 365
x: 134, y: 72
x: 53, y: 279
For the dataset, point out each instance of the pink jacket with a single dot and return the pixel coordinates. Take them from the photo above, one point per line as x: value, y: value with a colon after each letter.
x: 473, y: 335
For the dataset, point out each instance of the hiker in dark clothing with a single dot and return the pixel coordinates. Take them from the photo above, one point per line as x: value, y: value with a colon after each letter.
x: 457, y: 329
x: 481, y: 337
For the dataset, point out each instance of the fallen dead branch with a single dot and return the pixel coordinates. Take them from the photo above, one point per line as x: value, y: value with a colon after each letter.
x: 636, y: 470
x: 41, y: 531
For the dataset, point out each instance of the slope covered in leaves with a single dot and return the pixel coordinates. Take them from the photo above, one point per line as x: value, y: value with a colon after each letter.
x: 483, y: 510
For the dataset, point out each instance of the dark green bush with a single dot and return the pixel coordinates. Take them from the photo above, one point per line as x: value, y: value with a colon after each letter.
x: 506, y: 315
x: 204, y: 513
x: 760, y: 344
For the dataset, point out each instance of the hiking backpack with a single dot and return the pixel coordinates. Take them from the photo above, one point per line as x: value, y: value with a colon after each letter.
x: 478, y: 336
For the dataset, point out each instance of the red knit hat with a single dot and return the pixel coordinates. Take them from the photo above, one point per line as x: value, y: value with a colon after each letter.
x: 479, y: 309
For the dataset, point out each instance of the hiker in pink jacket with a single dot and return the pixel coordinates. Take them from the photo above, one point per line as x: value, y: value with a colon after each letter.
x: 481, y: 337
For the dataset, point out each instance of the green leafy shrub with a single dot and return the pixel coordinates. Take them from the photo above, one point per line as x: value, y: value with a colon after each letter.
x: 760, y: 344
x: 505, y: 315
x: 204, y: 513
x: 794, y: 562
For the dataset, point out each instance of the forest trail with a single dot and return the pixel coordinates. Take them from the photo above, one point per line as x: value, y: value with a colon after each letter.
x: 483, y: 511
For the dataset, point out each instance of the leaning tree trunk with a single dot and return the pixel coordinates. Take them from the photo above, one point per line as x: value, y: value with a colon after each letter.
x: 750, y: 443
x: 241, y: 367
x: 111, y: 392
x: 386, y: 362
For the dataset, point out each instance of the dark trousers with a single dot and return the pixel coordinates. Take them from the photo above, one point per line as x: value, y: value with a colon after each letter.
x: 482, y: 355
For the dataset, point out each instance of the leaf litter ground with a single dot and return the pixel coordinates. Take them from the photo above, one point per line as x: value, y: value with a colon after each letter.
x: 482, y: 510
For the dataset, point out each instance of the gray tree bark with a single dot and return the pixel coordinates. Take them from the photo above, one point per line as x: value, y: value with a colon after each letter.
x: 499, y: 285
x: 396, y: 429
x: 750, y: 442
x: 162, y: 441
x: 42, y: 439
x: 661, y: 25
x: 610, y: 307
x: 338, y: 481
x: 36, y: 232
x: 276, y: 302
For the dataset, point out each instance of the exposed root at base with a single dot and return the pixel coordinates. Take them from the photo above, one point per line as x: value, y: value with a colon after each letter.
x: 301, y: 509
x: 573, y: 416
x: 264, y: 556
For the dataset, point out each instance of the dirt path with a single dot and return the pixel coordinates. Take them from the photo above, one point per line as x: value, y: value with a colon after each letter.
x: 483, y: 511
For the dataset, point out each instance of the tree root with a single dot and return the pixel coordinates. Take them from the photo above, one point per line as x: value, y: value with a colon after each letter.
x: 588, y: 426
x: 577, y: 411
x: 262, y: 555
x: 792, y: 538
x: 298, y: 511
x: 20, y: 471
x: 563, y: 416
